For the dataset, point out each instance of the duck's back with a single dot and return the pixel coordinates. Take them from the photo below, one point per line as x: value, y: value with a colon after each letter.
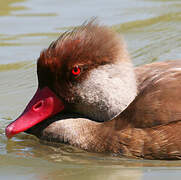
x: 154, y: 117
x: 159, y: 98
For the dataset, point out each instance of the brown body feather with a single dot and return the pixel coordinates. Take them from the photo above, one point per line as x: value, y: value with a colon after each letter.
x: 150, y: 127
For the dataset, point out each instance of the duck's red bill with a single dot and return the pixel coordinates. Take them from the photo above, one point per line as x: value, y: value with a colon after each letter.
x: 44, y: 104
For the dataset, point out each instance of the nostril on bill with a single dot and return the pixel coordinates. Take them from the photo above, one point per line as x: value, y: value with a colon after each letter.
x: 38, y: 105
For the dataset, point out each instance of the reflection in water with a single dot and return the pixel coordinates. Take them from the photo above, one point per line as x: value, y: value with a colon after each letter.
x: 17, y: 85
x: 158, y: 40
x: 14, y: 66
x: 51, y: 162
x: 6, y: 7
x: 28, y: 146
x: 93, y: 173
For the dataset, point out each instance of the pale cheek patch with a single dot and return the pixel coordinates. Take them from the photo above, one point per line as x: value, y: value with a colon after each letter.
x: 106, y: 92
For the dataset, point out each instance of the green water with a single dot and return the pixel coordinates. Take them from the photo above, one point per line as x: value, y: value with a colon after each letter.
x: 152, y: 29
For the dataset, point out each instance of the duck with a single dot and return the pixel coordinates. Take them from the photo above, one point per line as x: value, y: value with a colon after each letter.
x: 91, y: 96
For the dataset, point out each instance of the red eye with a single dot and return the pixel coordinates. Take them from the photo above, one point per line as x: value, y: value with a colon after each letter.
x: 76, y: 71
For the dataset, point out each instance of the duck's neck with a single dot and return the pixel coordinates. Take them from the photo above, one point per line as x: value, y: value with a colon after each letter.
x: 107, y: 91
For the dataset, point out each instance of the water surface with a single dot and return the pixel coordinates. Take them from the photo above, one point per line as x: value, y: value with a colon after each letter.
x: 152, y: 31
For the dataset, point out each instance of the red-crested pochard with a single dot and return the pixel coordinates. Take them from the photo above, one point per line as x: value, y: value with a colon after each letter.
x: 88, y: 97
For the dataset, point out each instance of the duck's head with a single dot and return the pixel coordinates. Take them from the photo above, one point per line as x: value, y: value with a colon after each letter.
x: 85, y: 71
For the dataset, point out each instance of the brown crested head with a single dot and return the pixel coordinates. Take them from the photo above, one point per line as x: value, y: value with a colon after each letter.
x: 85, y: 71
x: 86, y: 46
x: 90, y: 51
